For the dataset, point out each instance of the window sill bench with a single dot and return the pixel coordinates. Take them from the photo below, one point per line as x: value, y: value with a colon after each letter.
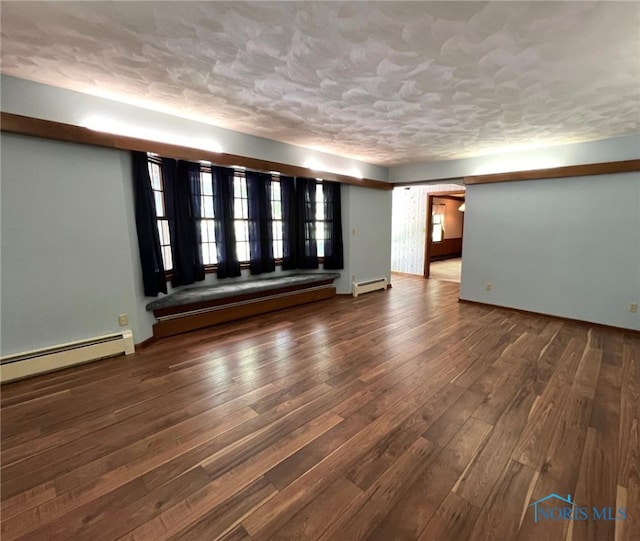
x: 202, y: 306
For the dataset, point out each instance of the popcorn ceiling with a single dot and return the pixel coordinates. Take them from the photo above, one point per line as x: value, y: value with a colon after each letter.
x: 386, y: 82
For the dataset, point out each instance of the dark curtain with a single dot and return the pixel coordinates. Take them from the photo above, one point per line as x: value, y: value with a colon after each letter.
x: 228, y: 264
x: 153, y: 278
x: 289, y: 221
x: 333, y: 251
x: 260, y: 223
x: 306, y: 223
x: 181, y: 184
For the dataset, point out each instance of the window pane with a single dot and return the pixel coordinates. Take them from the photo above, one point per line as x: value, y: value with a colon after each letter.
x: 275, y: 190
x: 240, y: 203
x: 243, y: 251
x: 154, y: 173
x: 159, y: 203
x: 276, y: 230
x: 277, y: 249
x: 206, y: 183
x: 207, y: 208
x: 437, y: 233
x: 204, y: 231
x: 165, y: 229
x: 319, y: 202
x: 209, y: 254
x: 160, y: 232
x: 166, y: 257
x: 242, y: 231
x: 276, y: 210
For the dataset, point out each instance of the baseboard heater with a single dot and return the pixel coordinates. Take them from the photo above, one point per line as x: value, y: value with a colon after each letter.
x: 372, y: 285
x: 38, y: 361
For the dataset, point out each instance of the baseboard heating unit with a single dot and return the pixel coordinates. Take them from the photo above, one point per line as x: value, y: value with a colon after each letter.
x: 371, y: 285
x: 38, y: 361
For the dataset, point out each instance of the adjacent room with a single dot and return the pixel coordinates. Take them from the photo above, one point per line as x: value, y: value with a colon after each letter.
x: 320, y: 271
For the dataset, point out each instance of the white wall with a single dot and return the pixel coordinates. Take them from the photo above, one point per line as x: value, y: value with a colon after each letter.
x: 565, y: 247
x: 49, y: 103
x: 67, y: 258
x: 409, y: 229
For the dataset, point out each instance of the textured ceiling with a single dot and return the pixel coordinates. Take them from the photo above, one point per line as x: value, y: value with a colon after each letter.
x: 387, y: 82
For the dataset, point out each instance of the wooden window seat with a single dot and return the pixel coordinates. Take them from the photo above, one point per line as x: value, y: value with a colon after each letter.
x: 201, y: 306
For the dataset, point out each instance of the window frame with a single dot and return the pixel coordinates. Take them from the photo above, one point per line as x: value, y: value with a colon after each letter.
x: 439, y: 223
x: 154, y: 165
x: 209, y: 219
x: 205, y: 168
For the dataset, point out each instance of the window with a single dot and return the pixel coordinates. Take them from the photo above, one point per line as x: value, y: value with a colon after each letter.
x: 207, y: 222
x: 320, y: 219
x: 437, y: 231
x: 276, y: 215
x: 163, y: 223
x: 241, y: 216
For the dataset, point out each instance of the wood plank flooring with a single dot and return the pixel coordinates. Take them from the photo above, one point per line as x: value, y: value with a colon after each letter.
x: 399, y: 415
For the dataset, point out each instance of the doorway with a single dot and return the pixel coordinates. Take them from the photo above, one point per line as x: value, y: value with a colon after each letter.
x: 412, y: 249
x: 443, y: 239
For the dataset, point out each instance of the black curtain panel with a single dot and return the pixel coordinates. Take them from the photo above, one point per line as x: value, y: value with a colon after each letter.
x: 289, y: 223
x: 228, y: 264
x: 306, y: 217
x: 195, y: 188
x: 333, y: 250
x: 147, y: 228
x: 181, y: 180
x: 260, y: 223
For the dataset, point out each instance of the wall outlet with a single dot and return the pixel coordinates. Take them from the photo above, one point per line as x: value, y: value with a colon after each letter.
x: 123, y: 320
x: 633, y: 307
x: 488, y: 286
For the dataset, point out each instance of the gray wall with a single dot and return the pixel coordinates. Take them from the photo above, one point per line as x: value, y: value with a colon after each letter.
x: 69, y: 249
x: 70, y: 262
x: 369, y: 229
x: 566, y: 247
x: 67, y: 267
x: 608, y: 150
x: 60, y: 105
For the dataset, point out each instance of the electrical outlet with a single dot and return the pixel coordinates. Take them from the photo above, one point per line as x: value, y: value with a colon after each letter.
x: 633, y: 307
x: 488, y: 286
x: 123, y: 320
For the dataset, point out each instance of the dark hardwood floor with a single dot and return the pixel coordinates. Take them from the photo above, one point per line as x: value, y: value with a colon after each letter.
x: 398, y: 415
